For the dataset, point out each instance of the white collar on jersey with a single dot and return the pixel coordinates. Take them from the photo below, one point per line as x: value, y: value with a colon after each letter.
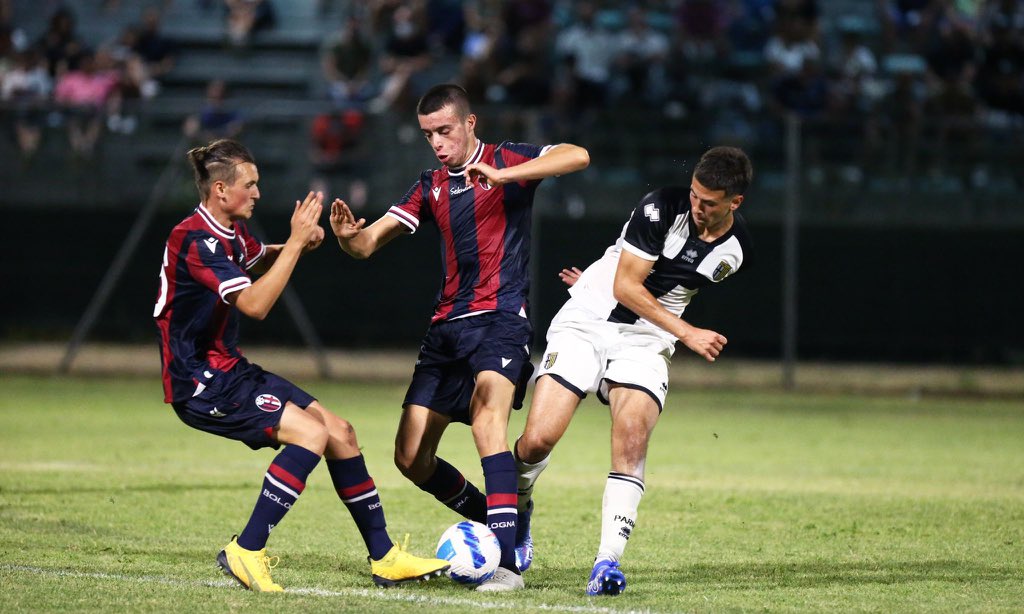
x: 477, y: 154
x: 215, y: 226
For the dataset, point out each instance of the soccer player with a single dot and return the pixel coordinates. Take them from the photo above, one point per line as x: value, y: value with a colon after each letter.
x: 474, y: 360
x: 204, y: 283
x: 616, y: 334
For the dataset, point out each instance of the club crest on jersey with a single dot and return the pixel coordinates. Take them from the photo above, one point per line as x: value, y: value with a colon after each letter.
x: 721, y: 271
x: 268, y: 402
x: 549, y: 360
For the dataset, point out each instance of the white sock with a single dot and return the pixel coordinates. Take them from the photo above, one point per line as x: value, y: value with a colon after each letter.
x: 622, y: 495
x: 528, y: 474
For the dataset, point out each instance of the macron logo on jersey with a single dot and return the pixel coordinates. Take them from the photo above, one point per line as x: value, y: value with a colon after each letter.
x: 212, y: 244
x: 437, y: 191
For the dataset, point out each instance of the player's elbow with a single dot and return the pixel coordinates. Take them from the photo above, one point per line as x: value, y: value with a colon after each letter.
x: 251, y: 308
x: 580, y: 158
x: 623, y: 293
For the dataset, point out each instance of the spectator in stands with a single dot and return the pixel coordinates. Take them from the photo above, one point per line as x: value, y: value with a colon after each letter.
x: 156, y: 51
x: 789, y: 48
x: 25, y: 89
x: 1000, y: 79
x: 446, y: 25
x: 703, y: 25
x: 524, y: 76
x: 895, y: 126
x: 87, y: 95
x: 346, y: 59
x: 856, y: 70
x: 908, y: 20
x: 215, y: 120
x: 588, y: 51
x: 641, y: 55
x: 245, y: 17
x: 406, y: 56
x: 60, y: 44
x: 801, y: 15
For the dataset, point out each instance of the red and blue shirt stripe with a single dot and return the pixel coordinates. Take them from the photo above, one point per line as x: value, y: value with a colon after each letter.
x: 485, y: 232
x: 203, y: 263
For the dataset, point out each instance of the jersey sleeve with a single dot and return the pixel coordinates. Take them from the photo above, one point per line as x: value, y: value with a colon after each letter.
x: 254, y: 248
x: 514, y: 154
x: 648, y: 226
x: 210, y: 265
x: 411, y: 209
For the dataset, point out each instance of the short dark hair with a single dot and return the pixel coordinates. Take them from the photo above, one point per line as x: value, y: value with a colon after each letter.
x: 216, y: 161
x: 725, y: 168
x: 440, y: 96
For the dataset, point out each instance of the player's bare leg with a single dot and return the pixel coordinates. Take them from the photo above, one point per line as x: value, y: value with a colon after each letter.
x: 489, y: 411
x: 551, y: 410
x: 419, y: 434
x: 634, y: 414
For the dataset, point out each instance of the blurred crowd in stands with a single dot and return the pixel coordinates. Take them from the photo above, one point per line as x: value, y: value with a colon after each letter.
x: 884, y: 76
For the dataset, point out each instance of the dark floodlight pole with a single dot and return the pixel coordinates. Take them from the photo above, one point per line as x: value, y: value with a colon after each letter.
x: 790, y: 252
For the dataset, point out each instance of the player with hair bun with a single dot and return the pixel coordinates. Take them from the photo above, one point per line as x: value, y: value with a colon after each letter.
x: 205, y: 281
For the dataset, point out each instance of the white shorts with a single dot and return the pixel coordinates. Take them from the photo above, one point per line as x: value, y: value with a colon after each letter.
x: 585, y: 354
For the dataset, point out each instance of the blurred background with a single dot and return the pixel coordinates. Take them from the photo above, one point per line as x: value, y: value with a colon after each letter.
x: 887, y: 138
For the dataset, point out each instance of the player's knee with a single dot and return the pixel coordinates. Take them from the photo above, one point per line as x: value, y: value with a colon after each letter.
x: 410, y: 464
x: 314, y: 438
x: 341, y: 429
x: 534, y: 447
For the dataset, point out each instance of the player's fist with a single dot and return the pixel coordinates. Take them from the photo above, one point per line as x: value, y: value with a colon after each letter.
x: 704, y: 342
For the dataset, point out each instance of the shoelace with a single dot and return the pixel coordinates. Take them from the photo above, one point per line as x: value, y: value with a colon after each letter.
x: 268, y: 563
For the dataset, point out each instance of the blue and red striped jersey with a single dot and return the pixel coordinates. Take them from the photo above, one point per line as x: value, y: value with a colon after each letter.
x: 204, y: 262
x: 485, y: 232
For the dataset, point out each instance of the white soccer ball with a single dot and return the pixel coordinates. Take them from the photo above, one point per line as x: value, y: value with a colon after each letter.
x: 472, y: 550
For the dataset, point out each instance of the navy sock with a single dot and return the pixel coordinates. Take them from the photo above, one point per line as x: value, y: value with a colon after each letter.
x: 283, y: 483
x: 450, y: 487
x: 359, y: 494
x: 500, y: 477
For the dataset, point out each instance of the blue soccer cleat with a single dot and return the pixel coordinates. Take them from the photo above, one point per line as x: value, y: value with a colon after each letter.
x: 606, y: 579
x: 524, y: 541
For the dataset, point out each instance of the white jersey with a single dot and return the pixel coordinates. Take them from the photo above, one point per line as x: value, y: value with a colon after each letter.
x: 660, y: 230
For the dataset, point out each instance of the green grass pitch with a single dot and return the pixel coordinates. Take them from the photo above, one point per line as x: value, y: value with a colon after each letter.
x: 755, y: 501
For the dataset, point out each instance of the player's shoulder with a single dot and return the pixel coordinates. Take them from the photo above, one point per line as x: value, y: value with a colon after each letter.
x: 670, y: 199
x: 741, y: 231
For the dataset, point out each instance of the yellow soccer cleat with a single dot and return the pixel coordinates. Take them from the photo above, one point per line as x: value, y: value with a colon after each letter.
x: 398, y: 567
x: 251, y: 568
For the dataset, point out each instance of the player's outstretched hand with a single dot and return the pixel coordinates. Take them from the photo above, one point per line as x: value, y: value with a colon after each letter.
x: 704, y: 342
x: 484, y: 174
x: 570, y: 276
x: 315, y: 239
x: 305, y: 220
x: 343, y: 222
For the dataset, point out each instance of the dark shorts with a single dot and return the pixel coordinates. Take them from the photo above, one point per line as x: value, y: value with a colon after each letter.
x: 453, y: 352
x: 245, y: 404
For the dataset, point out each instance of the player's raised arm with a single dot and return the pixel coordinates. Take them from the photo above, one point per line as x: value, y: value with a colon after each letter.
x: 353, y: 238
x: 559, y: 160
x: 629, y: 290
x: 256, y: 300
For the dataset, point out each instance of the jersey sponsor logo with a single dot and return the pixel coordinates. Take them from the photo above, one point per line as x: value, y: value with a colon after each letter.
x: 212, y: 244
x: 721, y: 271
x: 268, y: 402
x: 549, y: 360
x: 454, y: 191
x: 436, y: 190
x: 652, y: 212
x: 505, y: 361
